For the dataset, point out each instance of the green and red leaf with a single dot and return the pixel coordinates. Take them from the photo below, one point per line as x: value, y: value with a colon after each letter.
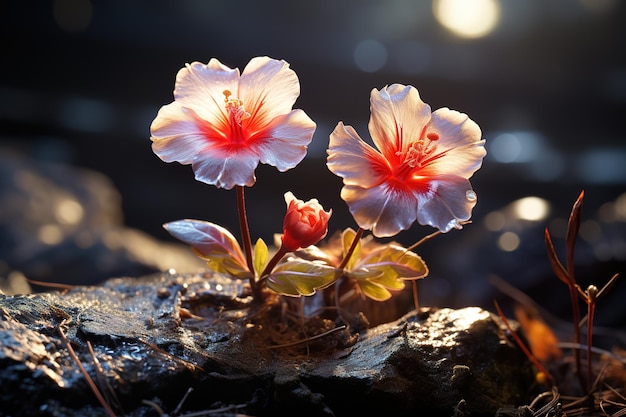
x: 299, y: 277
x: 213, y: 243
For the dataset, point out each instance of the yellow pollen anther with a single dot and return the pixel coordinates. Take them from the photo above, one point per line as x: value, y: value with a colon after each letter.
x: 235, y: 108
x: 419, y: 150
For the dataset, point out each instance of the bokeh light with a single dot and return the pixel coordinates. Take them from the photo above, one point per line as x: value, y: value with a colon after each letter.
x: 73, y: 15
x: 508, y: 241
x: 468, y: 18
x: 370, y: 55
x: 531, y: 208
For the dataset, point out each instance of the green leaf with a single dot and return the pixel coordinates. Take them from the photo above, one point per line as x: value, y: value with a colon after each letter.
x: 394, y: 260
x: 313, y: 253
x: 376, y: 283
x: 298, y: 277
x: 261, y: 256
x: 385, y: 269
x: 225, y: 264
x: 374, y: 291
x: 212, y: 243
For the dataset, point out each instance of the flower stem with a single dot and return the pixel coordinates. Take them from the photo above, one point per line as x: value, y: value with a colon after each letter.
x: 342, y: 265
x: 245, y: 233
x: 348, y: 255
x: 591, y: 309
x: 273, y: 262
x: 416, y: 300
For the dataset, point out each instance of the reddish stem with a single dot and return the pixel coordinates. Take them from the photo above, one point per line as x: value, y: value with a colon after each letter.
x: 348, y: 255
x: 273, y: 262
x: 245, y: 233
x: 571, y: 234
x: 591, y: 309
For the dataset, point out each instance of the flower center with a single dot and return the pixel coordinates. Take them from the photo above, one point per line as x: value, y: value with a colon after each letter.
x: 234, y: 107
x: 420, y: 150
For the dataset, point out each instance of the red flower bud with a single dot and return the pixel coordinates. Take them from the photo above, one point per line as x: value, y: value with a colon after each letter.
x: 305, y: 224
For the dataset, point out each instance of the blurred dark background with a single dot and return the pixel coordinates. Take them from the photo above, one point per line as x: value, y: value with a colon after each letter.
x: 81, y: 81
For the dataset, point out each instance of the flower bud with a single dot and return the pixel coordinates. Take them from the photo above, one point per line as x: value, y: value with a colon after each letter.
x: 305, y: 224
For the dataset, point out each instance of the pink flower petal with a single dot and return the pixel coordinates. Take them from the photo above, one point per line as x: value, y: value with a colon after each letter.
x: 286, y: 140
x: 383, y: 211
x: 268, y: 88
x: 450, y: 202
x: 398, y: 117
x: 176, y: 135
x: 460, y: 142
x: 201, y: 87
x: 224, y: 169
x: 352, y: 159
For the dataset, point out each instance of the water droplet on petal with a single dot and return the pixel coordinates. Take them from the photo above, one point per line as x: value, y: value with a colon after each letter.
x: 470, y: 195
x: 453, y: 224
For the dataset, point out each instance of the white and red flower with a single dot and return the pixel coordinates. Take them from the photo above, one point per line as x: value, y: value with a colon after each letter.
x: 419, y: 170
x: 224, y: 123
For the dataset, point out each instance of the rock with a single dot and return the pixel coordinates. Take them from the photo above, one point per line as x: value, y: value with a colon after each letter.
x: 62, y: 224
x: 155, y: 338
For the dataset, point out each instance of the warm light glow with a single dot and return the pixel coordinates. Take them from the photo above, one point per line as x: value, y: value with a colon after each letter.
x: 468, y: 18
x: 508, y: 241
x: 50, y: 234
x: 530, y: 208
x: 590, y: 231
x: 495, y: 221
x: 620, y: 207
x: 69, y: 211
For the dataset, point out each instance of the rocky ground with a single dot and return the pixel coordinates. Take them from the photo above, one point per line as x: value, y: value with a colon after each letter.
x: 148, y: 342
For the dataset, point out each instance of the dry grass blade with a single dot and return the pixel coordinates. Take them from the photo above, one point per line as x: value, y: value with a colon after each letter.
x: 90, y: 382
x: 109, y: 392
x: 55, y: 285
x: 308, y: 339
x: 522, y: 346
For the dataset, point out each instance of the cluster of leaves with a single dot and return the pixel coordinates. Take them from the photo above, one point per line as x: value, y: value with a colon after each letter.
x: 376, y: 269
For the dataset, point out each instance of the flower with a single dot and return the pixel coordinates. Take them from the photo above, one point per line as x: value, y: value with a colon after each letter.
x: 305, y: 224
x: 419, y: 171
x: 224, y: 123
